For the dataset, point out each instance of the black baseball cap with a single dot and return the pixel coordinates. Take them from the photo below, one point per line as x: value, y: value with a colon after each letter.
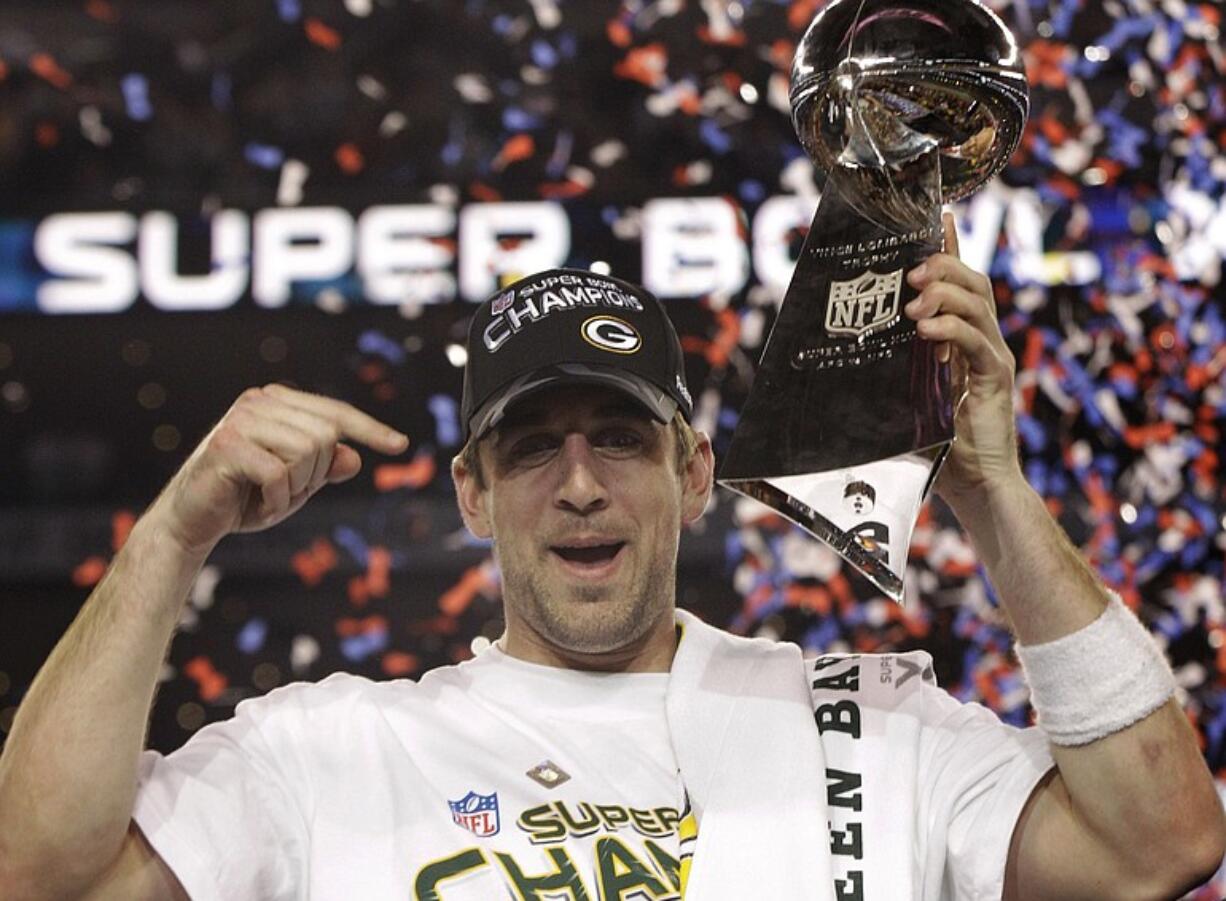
x: 571, y: 326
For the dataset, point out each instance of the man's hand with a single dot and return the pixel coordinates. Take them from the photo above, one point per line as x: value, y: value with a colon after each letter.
x: 955, y: 307
x: 268, y: 455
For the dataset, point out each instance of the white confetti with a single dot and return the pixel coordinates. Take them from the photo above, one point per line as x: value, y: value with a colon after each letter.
x: 304, y: 650
x: 204, y: 587
x: 607, y: 153
x: 472, y: 88
x: 393, y: 123
x: 294, y: 174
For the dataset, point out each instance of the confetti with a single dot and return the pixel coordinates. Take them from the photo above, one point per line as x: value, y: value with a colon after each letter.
x: 417, y: 473
x: 136, y: 96
x: 322, y: 35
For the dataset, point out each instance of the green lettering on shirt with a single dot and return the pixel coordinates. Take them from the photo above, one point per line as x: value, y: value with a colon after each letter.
x: 564, y: 877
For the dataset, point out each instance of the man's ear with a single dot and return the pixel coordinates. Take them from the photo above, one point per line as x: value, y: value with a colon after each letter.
x: 697, y: 480
x: 471, y: 498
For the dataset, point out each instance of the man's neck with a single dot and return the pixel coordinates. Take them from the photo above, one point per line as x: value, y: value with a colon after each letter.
x: 653, y: 653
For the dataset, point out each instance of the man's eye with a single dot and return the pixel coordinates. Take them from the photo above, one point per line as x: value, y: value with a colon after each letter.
x: 619, y: 439
x: 532, y: 446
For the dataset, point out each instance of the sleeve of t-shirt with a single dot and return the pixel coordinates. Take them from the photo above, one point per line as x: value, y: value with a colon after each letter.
x: 228, y: 811
x: 976, y: 774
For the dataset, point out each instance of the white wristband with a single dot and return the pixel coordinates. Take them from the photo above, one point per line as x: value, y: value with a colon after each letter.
x: 1097, y: 680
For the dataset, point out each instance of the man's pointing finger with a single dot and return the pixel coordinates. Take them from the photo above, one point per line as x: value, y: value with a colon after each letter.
x: 349, y: 420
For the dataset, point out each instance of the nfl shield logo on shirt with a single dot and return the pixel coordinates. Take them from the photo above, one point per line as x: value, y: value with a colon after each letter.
x: 476, y: 813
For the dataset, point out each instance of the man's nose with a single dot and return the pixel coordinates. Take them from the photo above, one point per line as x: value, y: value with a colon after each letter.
x: 580, y: 487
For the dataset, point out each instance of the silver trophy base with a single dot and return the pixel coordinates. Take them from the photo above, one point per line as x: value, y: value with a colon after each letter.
x: 867, y: 513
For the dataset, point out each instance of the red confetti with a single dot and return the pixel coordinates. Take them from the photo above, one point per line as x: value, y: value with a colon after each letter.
x: 781, y: 53
x: 1155, y: 433
x: 358, y: 592
x: 1046, y: 62
x: 482, y: 192
x: 619, y: 34
x: 398, y: 663
x: 378, y: 571
x: 644, y: 64
x: 372, y: 372
x: 349, y: 158
x: 121, y: 527
x: 476, y: 580
x: 518, y: 147
x: 420, y: 471
x: 102, y: 10
x: 210, y: 683
x: 348, y: 626
x: 46, y: 134
x: 560, y: 190
x: 801, y: 13
x: 45, y: 67
x: 314, y: 563
x: 89, y: 572
x: 322, y: 35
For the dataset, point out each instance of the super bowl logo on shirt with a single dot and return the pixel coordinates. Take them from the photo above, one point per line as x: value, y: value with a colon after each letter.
x: 476, y: 813
x: 864, y: 303
x: 611, y: 334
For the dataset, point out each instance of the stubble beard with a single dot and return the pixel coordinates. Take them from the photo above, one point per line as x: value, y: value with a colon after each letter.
x: 591, y: 619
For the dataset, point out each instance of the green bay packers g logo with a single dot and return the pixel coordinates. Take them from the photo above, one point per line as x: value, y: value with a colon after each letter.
x: 611, y: 334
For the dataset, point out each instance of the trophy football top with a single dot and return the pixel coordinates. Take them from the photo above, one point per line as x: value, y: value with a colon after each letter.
x: 875, y: 83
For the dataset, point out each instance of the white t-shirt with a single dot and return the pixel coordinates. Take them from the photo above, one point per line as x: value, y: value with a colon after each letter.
x: 499, y: 778
x: 346, y: 789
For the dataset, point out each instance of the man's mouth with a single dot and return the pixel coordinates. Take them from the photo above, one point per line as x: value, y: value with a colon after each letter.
x: 588, y: 554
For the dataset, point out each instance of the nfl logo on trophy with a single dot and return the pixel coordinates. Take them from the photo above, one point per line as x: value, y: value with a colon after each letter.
x: 863, y: 304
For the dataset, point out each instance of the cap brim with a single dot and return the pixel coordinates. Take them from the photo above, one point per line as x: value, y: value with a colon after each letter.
x: 654, y: 401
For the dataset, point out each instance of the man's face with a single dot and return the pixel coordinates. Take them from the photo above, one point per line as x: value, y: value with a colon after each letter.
x: 585, y: 504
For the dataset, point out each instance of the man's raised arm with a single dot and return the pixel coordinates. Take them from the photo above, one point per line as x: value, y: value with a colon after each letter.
x: 1131, y: 810
x: 68, y: 773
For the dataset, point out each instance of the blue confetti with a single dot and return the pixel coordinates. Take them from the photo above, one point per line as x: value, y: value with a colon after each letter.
x: 714, y: 136
x: 251, y: 636
x: 377, y: 344
x: 543, y: 54
x: 348, y: 538
x: 264, y: 156
x: 357, y: 648
x: 135, y: 88
x: 516, y: 119
x: 751, y: 190
x: 290, y: 11
x: 446, y: 420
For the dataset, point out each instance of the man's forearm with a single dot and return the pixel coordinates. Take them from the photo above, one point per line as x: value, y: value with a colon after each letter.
x: 1045, y: 586
x: 1144, y: 790
x: 69, y: 767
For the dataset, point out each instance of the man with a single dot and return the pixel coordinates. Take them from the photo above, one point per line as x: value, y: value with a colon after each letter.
x: 609, y: 746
